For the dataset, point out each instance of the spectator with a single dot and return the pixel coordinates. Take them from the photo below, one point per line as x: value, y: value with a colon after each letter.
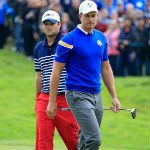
x: 126, y: 38
x: 66, y: 4
x: 44, y: 6
x: 3, y: 30
x: 140, y: 44
x: 74, y: 13
x: 114, y: 15
x: 30, y: 26
x: 58, y: 8
x: 55, y: 5
x: 147, y: 22
x: 130, y: 11
x: 18, y: 25
x: 110, y: 5
x: 105, y: 18
x: 121, y: 22
x: 112, y: 34
x: 67, y: 25
x: 101, y: 23
x: 139, y: 13
x: 148, y: 6
x: 147, y: 63
x: 120, y: 8
x: 52, y: 3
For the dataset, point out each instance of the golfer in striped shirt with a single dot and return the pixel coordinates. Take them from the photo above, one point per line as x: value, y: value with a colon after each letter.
x: 43, y: 59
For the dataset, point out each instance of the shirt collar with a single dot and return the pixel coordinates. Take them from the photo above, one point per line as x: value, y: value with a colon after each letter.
x: 80, y: 28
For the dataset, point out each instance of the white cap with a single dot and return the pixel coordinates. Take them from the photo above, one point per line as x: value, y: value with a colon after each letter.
x: 87, y: 6
x: 51, y: 16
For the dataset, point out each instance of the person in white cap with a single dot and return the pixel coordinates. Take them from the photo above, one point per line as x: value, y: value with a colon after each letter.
x: 84, y: 54
x: 65, y: 122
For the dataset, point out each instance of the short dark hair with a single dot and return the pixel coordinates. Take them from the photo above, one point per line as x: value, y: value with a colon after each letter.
x: 128, y: 18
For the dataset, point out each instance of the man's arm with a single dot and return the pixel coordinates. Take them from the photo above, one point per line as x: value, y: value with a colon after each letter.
x: 54, y: 82
x: 108, y: 79
x: 38, y: 82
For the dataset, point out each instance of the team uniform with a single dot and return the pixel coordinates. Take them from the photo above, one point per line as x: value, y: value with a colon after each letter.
x: 83, y: 55
x: 64, y: 120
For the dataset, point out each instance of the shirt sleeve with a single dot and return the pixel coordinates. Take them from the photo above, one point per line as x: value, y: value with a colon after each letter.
x: 63, y: 50
x: 37, y: 66
x: 105, y: 54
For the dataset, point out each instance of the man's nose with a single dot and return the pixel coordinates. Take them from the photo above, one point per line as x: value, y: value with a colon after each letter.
x: 90, y: 18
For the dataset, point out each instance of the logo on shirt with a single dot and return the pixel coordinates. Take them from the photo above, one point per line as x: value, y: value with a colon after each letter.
x: 99, y: 43
x: 56, y: 55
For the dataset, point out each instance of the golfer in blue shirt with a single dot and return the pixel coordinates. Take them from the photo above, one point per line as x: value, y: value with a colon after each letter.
x: 83, y: 52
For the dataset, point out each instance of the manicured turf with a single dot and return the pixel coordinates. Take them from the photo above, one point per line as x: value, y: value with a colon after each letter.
x: 17, y: 117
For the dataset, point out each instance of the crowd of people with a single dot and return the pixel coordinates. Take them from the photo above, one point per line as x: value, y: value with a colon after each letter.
x: 125, y: 23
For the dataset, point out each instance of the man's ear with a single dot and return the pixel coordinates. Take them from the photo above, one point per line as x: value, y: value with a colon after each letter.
x: 80, y: 16
x: 59, y: 23
x: 41, y: 27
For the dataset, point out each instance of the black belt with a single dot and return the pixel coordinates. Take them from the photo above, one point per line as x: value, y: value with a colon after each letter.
x: 61, y: 93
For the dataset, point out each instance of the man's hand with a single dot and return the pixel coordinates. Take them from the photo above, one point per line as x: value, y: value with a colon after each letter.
x: 51, y: 109
x: 115, y: 104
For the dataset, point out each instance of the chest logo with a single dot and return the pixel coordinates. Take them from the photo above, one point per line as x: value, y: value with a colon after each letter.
x: 99, y: 43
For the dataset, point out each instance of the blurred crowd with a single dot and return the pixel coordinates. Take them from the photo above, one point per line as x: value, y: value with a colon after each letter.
x: 126, y: 24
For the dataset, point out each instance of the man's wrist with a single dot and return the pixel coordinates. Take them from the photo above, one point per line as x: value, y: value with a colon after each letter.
x: 52, y: 100
x: 114, y: 97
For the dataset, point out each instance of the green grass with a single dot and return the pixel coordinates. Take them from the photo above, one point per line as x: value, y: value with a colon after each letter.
x: 17, y: 117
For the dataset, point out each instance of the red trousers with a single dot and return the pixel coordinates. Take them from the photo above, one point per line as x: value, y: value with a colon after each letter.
x: 64, y: 122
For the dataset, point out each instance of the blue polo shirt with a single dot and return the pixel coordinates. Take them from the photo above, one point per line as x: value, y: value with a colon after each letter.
x: 83, y: 54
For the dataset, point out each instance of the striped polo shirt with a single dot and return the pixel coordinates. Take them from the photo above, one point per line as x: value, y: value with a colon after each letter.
x: 83, y: 54
x: 43, y: 62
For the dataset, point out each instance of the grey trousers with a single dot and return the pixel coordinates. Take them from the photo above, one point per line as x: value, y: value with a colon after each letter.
x: 88, y: 111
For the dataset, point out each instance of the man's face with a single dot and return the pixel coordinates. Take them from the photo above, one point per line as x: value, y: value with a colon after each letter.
x: 140, y: 22
x: 120, y: 7
x: 51, y: 29
x: 127, y: 23
x: 108, y: 2
x: 89, y: 20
